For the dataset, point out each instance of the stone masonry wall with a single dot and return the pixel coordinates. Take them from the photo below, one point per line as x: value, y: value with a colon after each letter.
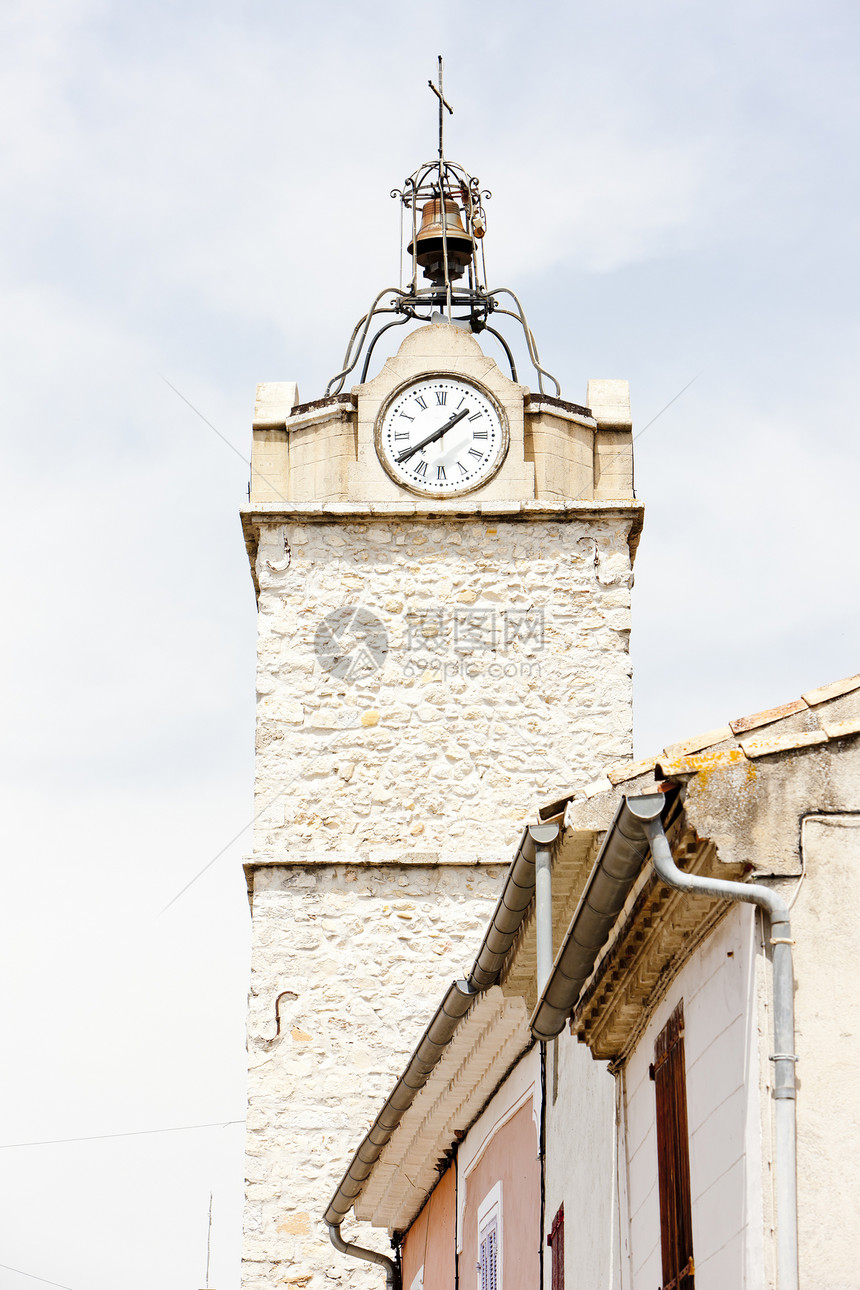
x: 359, y: 957
x: 507, y: 677
x: 488, y: 670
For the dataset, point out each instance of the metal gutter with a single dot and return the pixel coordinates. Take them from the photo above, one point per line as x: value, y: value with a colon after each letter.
x: 506, y: 921
x: 618, y: 864
x: 435, y: 1039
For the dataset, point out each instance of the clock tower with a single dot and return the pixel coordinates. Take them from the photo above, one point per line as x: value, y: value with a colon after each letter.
x: 442, y: 556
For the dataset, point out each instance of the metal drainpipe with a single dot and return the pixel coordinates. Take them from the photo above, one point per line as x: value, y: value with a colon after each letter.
x: 369, y: 1256
x: 542, y: 835
x: 784, y: 1059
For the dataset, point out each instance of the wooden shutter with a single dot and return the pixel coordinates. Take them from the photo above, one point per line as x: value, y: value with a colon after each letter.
x: 489, y: 1257
x: 673, y: 1155
x: 555, y: 1241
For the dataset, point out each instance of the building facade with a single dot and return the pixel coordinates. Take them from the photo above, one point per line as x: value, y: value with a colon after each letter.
x: 621, y: 1121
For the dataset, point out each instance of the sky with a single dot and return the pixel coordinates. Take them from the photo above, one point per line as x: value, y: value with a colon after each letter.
x: 199, y: 194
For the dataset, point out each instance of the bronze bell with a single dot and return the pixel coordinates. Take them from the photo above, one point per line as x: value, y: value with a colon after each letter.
x: 430, y: 246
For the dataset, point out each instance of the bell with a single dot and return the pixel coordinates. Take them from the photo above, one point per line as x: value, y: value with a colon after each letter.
x: 430, y: 246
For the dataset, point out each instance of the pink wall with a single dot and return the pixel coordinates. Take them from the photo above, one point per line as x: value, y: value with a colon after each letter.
x: 431, y: 1240
x: 511, y: 1157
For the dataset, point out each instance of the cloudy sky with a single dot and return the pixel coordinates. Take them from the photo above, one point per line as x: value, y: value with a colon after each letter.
x: 199, y: 192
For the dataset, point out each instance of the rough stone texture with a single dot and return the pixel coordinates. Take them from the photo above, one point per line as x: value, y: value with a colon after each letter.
x: 348, y: 965
x: 389, y: 789
x: 461, y: 728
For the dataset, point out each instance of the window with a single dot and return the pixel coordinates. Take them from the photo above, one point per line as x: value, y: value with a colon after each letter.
x: 673, y: 1155
x: 555, y: 1241
x: 488, y: 1256
x: 490, y: 1240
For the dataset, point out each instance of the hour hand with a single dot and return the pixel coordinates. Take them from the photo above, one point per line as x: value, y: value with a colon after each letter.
x: 437, y: 434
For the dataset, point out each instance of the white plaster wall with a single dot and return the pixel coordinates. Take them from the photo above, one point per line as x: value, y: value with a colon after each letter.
x: 454, y: 741
x: 580, y: 1166
x: 360, y: 955
x: 824, y: 925
x: 717, y: 986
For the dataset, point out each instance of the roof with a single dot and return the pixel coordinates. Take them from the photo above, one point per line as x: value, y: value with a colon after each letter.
x: 818, y: 716
x: 735, y: 795
x: 486, y: 1045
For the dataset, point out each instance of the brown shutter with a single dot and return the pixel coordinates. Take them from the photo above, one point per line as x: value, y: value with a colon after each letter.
x: 555, y: 1241
x: 673, y: 1155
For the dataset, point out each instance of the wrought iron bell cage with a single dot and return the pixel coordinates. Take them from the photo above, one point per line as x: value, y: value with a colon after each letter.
x: 443, y: 215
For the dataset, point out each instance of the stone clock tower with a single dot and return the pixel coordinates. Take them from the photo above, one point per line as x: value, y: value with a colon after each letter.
x: 442, y: 558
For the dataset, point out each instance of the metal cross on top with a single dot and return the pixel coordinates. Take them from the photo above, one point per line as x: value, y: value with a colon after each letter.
x: 443, y: 103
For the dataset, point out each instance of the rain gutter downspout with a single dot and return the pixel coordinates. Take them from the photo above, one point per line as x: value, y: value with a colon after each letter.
x: 509, y: 913
x: 784, y: 1058
x: 543, y: 835
x: 369, y: 1256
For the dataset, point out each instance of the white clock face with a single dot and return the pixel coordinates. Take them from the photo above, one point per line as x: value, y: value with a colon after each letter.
x: 441, y: 436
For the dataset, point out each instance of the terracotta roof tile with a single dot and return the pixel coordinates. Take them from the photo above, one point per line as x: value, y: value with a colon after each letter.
x: 697, y: 743
x: 839, y: 729
x: 765, y: 745
x: 704, y: 761
x: 597, y: 786
x: 622, y: 771
x: 741, y: 724
x: 832, y: 691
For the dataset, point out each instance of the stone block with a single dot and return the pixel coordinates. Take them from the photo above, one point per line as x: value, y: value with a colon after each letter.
x: 609, y: 404
x: 274, y: 402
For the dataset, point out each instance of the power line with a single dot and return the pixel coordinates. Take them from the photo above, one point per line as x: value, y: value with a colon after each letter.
x: 226, y: 847
x: 132, y: 1133
x: 221, y: 436
x: 224, y: 438
x: 668, y: 405
x: 209, y: 1241
x: 639, y: 433
x: 33, y: 1277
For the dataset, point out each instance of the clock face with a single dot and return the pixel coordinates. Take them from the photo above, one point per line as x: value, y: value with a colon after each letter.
x: 441, y: 436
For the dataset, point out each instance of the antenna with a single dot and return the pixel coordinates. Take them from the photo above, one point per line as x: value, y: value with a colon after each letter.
x: 208, y: 1241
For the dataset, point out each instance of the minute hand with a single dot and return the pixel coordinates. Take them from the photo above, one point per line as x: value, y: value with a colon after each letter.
x: 437, y: 434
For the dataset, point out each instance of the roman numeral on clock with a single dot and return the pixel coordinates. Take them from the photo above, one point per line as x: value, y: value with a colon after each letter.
x: 476, y: 416
x: 422, y: 403
x: 440, y: 472
x: 401, y: 434
x: 421, y: 468
x: 442, y: 397
x: 408, y: 418
x: 479, y: 434
x: 463, y: 470
x: 476, y: 452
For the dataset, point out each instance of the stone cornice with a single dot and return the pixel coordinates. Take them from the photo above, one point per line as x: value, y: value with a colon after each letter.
x: 461, y: 509
x: 381, y: 858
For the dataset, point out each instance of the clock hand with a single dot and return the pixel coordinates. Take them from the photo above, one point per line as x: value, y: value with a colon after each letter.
x: 437, y: 434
